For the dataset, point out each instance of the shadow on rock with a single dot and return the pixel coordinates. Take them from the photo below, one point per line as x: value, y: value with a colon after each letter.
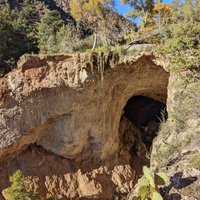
x: 177, y: 182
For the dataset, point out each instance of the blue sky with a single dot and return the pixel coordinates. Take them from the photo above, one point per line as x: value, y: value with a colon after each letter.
x: 123, y: 9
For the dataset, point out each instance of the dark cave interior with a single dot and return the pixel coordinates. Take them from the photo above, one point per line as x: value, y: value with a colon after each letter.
x: 146, y: 115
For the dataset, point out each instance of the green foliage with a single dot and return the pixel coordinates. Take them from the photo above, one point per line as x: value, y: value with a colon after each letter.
x: 32, y: 26
x: 81, y: 9
x: 50, y: 24
x: 21, y: 33
x: 77, y: 9
x: 160, y: 178
x: 164, y: 151
x: 142, y: 9
x: 18, y: 189
x: 148, y: 185
x: 156, y: 196
x: 85, y: 45
x: 118, y: 49
x: 96, y: 14
x: 67, y: 39
x: 105, y: 49
x: 16, y: 36
x: 181, y: 41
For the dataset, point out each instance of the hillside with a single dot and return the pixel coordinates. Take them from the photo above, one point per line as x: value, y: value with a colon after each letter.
x: 22, y: 21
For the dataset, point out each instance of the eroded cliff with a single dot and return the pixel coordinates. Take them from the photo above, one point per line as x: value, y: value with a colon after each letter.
x: 62, y: 123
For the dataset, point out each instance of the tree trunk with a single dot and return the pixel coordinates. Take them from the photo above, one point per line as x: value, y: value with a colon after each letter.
x: 95, y: 42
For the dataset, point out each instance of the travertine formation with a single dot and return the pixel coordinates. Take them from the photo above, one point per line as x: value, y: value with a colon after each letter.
x: 60, y: 122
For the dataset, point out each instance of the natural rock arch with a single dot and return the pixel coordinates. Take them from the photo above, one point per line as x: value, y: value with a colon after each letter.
x: 70, y: 112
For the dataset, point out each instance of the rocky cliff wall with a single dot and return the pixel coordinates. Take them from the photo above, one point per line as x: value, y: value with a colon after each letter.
x: 60, y: 122
x: 176, y: 150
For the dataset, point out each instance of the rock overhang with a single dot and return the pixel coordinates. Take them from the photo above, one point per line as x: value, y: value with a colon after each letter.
x: 69, y: 108
x: 47, y: 101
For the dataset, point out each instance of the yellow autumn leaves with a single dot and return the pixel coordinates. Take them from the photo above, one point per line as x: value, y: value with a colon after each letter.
x: 86, y: 9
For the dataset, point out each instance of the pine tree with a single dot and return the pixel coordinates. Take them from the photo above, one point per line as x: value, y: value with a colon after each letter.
x: 16, y: 37
x: 67, y: 39
x: 18, y: 189
x: 50, y: 24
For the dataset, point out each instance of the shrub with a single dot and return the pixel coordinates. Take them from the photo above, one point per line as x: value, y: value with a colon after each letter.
x: 181, y: 38
x: 105, y: 49
x: 148, y: 185
x: 118, y: 49
x: 67, y: 39
x: 164, y: 151
x: 19, y: 189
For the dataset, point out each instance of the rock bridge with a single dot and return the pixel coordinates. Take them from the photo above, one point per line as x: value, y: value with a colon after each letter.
x: 74, y: 128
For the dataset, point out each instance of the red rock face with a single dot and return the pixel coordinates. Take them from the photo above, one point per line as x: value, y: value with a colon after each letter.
x: 59, y: 124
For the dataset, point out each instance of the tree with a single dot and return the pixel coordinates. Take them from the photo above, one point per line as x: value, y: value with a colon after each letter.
x: 67, y: 39
x: 181, y: 41
x: 77, y: 9
x: 18, y: 189
x: 92, y: 11
x: 142, y: 9
x: 162, y: 14
x: 15, y: 37
x: 50, y: 24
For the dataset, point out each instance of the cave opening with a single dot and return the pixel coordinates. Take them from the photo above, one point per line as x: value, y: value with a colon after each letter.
x: 140, y: 124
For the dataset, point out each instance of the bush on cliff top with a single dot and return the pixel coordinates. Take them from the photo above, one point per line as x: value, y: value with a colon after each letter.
x: 181, y: 40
